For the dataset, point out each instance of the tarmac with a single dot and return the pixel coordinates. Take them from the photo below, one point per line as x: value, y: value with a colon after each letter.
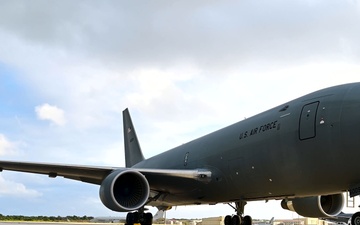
x: 51, y: 223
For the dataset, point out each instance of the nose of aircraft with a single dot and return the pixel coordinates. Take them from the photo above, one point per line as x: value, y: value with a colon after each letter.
x: 350, y: 119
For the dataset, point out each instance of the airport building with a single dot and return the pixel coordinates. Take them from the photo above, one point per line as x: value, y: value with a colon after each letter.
x: 351, y: 205
x: 297, y: 221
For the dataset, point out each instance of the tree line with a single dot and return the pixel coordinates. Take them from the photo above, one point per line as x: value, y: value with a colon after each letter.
x: 46, y: 218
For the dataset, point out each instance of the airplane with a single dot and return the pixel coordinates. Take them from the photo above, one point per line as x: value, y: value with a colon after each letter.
x: 107, y: 219
x: 270, y: 222
x: 304, y: 152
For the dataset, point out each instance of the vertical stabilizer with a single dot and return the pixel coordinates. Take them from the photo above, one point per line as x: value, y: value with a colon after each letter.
x: 133, y: 152
x: 271, y: 222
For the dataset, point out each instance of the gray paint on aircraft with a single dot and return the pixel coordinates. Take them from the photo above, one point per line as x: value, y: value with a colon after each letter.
x: 270, y: 155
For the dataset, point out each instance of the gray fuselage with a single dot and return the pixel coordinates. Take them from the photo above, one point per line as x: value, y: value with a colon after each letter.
x: 306, y: 147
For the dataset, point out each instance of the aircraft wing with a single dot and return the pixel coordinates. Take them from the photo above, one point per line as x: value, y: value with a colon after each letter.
x: 96, y: 174
x: 88, y: 174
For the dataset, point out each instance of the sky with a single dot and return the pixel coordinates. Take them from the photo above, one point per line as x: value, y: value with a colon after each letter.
x: 183, y: 68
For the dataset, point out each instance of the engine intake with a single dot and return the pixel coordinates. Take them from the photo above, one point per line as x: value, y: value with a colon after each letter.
x: 124, y: 190
x: 318, y: 206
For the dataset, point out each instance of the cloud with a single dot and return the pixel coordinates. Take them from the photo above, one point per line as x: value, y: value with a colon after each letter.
x: 6, y: 147
x: 95, y: 55
x: 51, y: 113
x: 10, y: 188
x: 209, y: 33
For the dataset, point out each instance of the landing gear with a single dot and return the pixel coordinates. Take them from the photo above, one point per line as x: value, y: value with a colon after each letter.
x: 238, y: 219
x: 139, y: 217
x: 355, y: 219
x: 247, y: 220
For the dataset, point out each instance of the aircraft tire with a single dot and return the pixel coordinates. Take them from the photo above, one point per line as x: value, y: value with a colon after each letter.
x: 132, y: 218
x: 236, y: 220
x: 129, y: 219
x: 247, y: 220
x: 355, y: 219
x: 148, y: 217
x: 227, y: 220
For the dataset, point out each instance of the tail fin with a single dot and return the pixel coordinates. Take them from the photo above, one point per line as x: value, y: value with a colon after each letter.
x: 133, y: 152
x: 271, y: 222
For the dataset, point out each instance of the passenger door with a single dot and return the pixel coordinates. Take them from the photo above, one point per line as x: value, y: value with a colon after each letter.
x: 307, y: 123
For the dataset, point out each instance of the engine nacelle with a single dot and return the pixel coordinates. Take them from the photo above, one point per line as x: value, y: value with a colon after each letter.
x: 124, y: 190
x: 318, y: 206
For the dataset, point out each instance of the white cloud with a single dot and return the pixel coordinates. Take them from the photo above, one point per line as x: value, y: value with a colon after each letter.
x: 6, y: 147
x: 51, y: 113
x: 10, y: 188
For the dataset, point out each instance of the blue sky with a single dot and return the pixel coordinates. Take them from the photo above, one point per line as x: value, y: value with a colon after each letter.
x: 184, y: 69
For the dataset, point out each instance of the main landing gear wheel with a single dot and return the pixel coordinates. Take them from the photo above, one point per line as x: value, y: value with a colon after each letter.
x: 136, y: 217
x: 227, y: 220
x: 355, y: 219
x: 232, y: 220
x: 148, y: 217
x: 247, y: 220
x: 238, y: 219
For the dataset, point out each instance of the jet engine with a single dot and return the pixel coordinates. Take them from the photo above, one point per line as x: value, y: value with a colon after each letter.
x: 317, y: 206
x: 124, y: 190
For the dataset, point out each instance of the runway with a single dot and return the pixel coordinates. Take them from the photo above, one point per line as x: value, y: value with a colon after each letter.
x: 52, y: 223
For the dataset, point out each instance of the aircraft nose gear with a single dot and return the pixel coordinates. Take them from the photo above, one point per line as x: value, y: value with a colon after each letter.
x: 238, y: 219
